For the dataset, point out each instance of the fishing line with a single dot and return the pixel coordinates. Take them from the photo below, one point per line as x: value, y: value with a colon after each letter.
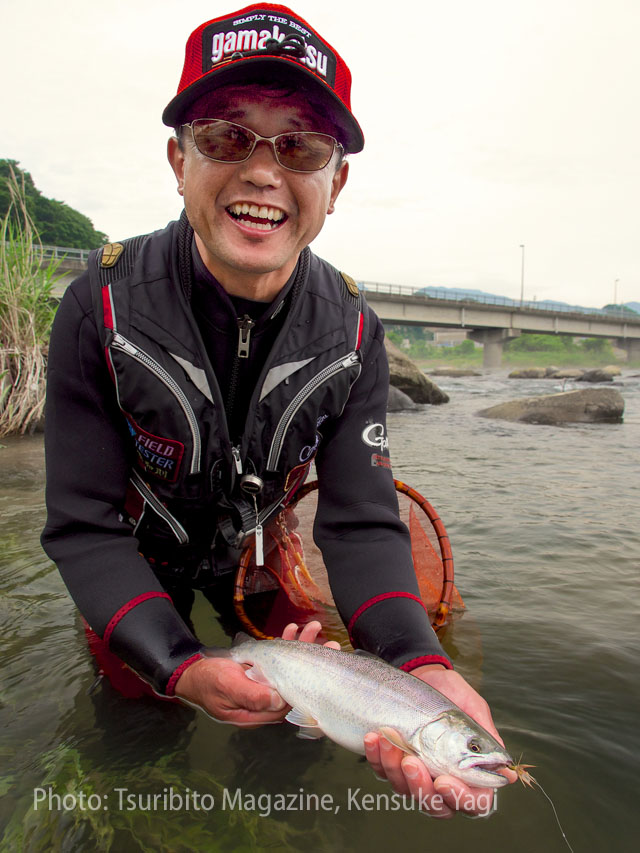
x: 527, y: 779
x: 554, y: 812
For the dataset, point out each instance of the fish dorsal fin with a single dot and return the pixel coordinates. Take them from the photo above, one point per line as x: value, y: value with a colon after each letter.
x: 309, y: 728
x: 396, y: 739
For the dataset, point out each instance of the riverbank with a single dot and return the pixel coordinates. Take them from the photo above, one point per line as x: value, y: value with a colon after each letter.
x: 526, y: 359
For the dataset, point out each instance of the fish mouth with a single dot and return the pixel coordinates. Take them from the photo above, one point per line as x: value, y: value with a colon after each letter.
x: 492, y: 767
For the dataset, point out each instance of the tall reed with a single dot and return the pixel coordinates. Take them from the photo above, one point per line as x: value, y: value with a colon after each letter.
x: 26, y: 313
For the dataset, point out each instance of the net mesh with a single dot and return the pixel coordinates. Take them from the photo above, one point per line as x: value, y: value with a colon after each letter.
x: 293, y: 585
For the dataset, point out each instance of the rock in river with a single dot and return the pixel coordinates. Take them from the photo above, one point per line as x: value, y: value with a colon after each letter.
x: 600, y: 374
x: 528, y: 373
x: 591, y: 405
x: 398, y: 401
x: 454, y: 371
x: 408, y: 377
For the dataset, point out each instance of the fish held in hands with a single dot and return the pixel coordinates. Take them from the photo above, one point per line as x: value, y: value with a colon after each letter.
x: 344, y: 696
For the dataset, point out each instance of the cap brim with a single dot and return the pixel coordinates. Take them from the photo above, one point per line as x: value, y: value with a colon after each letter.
x: 281, y: 69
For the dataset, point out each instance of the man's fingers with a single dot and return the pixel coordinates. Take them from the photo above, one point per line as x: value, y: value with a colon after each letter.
x: 460, y: 797
x: 421, y: 787
x: 309, y: 634
x: 391, y: 760
x: 310, y: 631
x: 245, y: 693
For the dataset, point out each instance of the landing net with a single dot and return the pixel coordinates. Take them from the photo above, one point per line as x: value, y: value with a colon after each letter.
x: 293, y: 586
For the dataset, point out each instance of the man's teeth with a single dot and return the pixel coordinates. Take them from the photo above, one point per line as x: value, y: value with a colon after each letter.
x: 272, y: 215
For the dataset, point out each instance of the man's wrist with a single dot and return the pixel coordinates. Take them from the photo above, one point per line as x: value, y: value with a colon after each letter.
x: 429, y: 667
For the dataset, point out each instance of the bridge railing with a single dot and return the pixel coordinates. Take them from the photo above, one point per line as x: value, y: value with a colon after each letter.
x: 427, y: 293
x: 66, y: 253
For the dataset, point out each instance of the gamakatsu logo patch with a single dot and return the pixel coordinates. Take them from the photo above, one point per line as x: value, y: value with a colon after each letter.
x: 224, y: 38
x: 159, y: 457
x: 374, y: 436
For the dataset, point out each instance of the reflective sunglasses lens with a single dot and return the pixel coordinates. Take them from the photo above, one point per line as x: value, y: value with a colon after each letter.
x: 305, y: 151
x: 221, y: 140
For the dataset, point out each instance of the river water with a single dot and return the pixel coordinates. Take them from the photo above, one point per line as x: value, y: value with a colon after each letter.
x: 544, y: 526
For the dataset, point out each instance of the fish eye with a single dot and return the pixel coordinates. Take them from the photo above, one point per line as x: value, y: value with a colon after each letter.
x: 473, y: 745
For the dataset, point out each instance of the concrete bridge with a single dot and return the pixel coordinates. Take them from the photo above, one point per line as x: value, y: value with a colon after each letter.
x: 491, y: 321
x: 71, y: 262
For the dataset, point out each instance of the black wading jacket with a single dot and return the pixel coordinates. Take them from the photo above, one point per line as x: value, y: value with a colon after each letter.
x: 141, y: 467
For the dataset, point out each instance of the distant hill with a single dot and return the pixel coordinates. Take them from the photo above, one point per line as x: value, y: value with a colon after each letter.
x: 57, y: 223
x: 545, y: 304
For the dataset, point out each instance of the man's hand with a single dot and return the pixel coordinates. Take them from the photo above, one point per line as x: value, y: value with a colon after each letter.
x: 445, y: 795
x: 220, y: 687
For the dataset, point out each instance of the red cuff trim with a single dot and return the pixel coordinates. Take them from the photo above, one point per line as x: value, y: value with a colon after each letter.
x: 375, y: 600
x: 139, y: 599
x: 171, y: 684
x: 414, y: 663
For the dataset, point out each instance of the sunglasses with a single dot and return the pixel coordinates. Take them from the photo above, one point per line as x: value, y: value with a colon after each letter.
x: 297, y: 151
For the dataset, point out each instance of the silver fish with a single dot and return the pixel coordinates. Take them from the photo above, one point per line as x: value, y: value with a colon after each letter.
x: 344, y: 696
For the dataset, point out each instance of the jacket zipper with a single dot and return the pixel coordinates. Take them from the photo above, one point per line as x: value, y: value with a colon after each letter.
x: 343, y: 363
x: 121, y: 343
x: 148, y: 497
x: 245, y: 324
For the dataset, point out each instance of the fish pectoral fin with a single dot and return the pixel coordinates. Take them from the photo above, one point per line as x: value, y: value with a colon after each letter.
x: 301, y: 718
x: 256, y: 674
x: 309, y: 728
x: 396, y: 739
x: 308, y: 733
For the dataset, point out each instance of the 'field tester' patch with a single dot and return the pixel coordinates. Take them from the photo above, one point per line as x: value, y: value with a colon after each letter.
x: 159, y: 457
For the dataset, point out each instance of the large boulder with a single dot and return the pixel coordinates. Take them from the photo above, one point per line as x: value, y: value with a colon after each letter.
x: 597, y: 374
x: 398, y: 401
x: 589, y: 405
x: 408, y: 377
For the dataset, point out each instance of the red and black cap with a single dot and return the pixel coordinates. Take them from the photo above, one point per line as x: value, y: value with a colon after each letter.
x: 270, y: 40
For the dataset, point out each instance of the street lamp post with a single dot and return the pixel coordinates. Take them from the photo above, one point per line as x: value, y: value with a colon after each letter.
x: 522, y: 277
x: 615, y: 291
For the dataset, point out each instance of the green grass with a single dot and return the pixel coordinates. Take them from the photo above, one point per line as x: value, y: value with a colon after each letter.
x: 26, y: 314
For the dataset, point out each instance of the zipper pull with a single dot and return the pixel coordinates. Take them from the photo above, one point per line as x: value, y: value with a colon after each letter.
x: 245, y: 324
x: 235, y: 452
x: 351, y: 359
x: 123, y: 344
x: 259, y: 546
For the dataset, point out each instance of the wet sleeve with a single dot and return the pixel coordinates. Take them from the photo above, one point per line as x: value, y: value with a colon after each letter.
x: 87, y: 474
x: 365, y: 546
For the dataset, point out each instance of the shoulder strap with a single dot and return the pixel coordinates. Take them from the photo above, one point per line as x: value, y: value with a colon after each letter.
x: 111, y: 263
x: 352, y: 295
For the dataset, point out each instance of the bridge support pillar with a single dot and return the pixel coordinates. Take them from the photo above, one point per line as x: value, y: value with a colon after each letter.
x: 632, y: 347
x: 492, y: 341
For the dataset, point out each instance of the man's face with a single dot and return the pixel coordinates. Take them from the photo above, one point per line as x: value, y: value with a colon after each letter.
x: 215, y: 193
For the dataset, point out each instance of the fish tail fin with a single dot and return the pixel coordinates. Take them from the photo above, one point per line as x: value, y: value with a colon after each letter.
x: 215, y: 652
x: 241, y: 638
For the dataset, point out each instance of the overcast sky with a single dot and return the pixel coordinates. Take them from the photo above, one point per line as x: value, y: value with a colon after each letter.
x: 488, y: 124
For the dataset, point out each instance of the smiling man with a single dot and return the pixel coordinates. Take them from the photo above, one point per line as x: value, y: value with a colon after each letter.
x: 196, y: 372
